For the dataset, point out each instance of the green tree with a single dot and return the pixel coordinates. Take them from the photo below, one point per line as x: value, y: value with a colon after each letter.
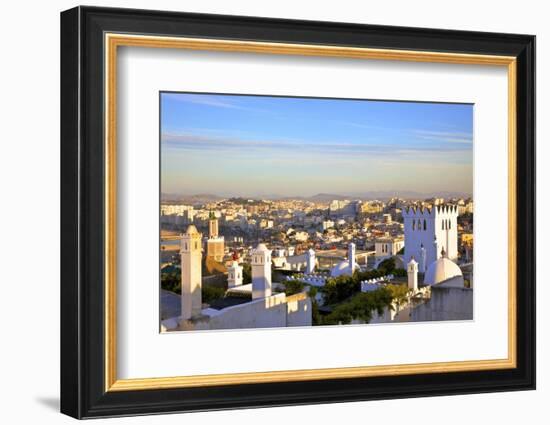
x: 338, y: 289
x: 399, y: 273
x: 370, y: 274
x: 316, y: 318
x: 387, y: 266
x: 171, y: 281
x: 360, y: 307
x: 211, y: 293
x: 312, y: 291
x: 293, y: 287
x: 247, y: 273
x: 399, y: 293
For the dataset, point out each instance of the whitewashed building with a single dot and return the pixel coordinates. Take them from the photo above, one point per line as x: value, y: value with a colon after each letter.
x: 234, y: 275
x: 449, y: 299
x: 388, y: 247
x: 428, y: 231
x: 348, y: 266
x: 255, y: 306
x: 191, y: 273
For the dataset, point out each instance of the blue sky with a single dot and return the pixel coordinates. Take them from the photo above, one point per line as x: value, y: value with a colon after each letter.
x: 233, y: 145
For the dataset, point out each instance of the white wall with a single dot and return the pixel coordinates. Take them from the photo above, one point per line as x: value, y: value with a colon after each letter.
x: 267, y: 312
x: 270, y: 312
x: 446, y: 303
x: 29, y: 171
x: 298, y: 310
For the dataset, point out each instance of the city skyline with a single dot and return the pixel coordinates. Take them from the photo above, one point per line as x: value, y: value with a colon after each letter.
x: 234, y: 145
x: 321, y: 197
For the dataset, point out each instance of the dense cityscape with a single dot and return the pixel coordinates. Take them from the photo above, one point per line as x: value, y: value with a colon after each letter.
x: 335, y: 260
x: 284, y: 211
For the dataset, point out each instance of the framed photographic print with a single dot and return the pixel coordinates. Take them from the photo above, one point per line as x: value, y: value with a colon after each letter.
x: 261, y: 212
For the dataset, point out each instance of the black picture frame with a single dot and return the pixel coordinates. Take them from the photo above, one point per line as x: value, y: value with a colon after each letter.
x: 83, y: 392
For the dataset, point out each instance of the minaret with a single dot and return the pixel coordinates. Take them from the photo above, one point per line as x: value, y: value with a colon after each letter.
x: 310, y: 257
x: 212, y: 226
x: 261, y: 272
x: 422, y: 266
x: 351, y: 257
x: 191, y: 273
x: 215, y: 248
x: 235, y: 275
x: 412, y: 274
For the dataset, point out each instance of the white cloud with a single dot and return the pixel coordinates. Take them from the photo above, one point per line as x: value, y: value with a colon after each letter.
x: 444, y: 136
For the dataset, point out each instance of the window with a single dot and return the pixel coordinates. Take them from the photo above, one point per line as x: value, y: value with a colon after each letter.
x: 414, y: 224
x: 424, y: 224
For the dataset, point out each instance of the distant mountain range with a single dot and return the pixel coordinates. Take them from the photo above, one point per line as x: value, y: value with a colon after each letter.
x: 199, y: 198
x: 382, y: 195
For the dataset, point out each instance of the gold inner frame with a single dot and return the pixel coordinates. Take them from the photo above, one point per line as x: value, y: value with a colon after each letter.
x: 113, y: 41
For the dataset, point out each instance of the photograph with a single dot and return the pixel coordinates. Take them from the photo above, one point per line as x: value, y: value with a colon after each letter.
x: 296, y: 191
x: 279, y: 211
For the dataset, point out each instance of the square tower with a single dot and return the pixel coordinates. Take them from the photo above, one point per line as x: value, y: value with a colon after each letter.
x: 261, y: 272
x: 215, y: 248
x: 428, y: 231
x: 191, y: 273
x: 212, y: 226
x: 412, y: 275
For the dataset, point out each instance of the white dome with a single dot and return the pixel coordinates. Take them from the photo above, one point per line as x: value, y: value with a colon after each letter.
x: 261, y: 247
x: 441, y: 270
x: 342, y: 268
